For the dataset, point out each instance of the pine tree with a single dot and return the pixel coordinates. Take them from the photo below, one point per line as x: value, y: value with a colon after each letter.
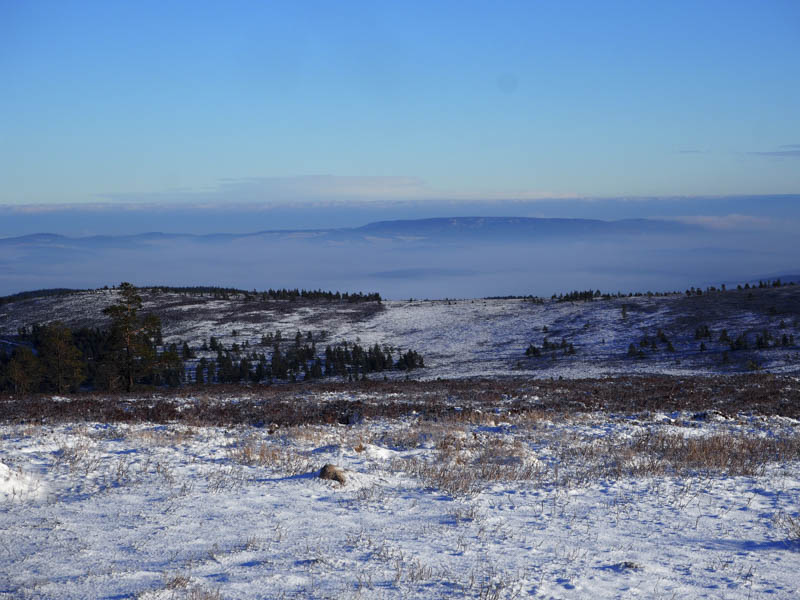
x: 316, y: 370
x: 212, y: 371
x: 169, y: 368
x: 23, y: 371
x: 133, y: 338
x: 63, y: 364
x: 199, y: 371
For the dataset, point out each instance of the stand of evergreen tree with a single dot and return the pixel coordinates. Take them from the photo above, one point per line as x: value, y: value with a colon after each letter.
x: 300, y: 361
x: 225, y: 293
x: 53, y: 358
x: 131, y: 353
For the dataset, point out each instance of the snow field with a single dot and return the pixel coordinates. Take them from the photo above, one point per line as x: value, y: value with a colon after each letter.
x: 499, y: 506
x: 488, y: 338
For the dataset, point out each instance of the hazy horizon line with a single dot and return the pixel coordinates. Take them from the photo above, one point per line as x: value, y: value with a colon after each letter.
x: 265, y: 205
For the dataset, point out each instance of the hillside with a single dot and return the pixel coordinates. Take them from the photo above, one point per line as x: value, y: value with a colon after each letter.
x: 481, y: 337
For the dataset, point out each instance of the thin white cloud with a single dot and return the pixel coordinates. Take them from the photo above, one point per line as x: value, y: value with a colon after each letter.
x: 310, y: 189
x: 785, y: 151
x: 279, y: 190
x: 255, y: 194
x: 726, y: 222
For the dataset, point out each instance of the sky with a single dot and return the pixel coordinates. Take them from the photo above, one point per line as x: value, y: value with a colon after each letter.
x: 277, y: 104
x: 239, y: 116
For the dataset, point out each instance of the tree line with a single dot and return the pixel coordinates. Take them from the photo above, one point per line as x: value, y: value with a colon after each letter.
x: 216, y: 292
x: 299, y: 361
x: 226, y: 293
x: 55, y: 358
x: 35, y: 294
x: 132, y: 353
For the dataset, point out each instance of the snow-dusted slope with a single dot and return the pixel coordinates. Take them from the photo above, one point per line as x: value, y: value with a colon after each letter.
x: 482, y: 337
x: 569, y: 507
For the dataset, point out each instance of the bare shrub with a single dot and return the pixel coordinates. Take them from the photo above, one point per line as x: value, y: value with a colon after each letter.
x: 790, y: 526
x: 464, y: 465
x: 176, y: 581
x: 74, y: 454
x: 441, y: 435
x: 201, y: 593
x: 727, y: 453
x: 224, y: 479
x: 309, y: 435
x: 274, y: 456
x: 164, y: 437
x: 455, y: 482
x: 655, y: 454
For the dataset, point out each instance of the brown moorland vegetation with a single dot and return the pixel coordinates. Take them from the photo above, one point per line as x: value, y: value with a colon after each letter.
x: 320, y: 403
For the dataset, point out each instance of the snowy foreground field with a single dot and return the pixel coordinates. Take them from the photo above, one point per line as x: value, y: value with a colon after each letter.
x: 478, y: 502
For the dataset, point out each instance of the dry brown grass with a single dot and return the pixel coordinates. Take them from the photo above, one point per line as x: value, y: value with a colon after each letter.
x: 421, y: 433
x: 658, y: 454
x: 464, y: 463
x: 308, y: 435
x: 465, y: 460
x: 285, y: 460
x: 725, y: 453
x: 177, y: 435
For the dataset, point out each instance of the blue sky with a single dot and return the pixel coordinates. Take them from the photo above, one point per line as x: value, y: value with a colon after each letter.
x: 276, y: 102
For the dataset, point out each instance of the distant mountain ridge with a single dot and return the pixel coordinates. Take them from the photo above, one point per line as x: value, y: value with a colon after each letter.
x: 449, y: 228
x: 518, y: 226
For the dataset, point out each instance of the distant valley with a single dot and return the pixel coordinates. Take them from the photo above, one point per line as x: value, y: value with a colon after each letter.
x: 458, y: 257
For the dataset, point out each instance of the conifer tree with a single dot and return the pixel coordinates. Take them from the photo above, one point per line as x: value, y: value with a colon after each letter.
x: 23, y: 371
x: 199, y: 371
x: 133, y: 338
x: 63, y: 366
x: 212, y: 370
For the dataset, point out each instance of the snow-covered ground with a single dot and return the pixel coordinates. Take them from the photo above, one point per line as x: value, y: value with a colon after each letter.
x: 538, y: 505
x: 503, y: 503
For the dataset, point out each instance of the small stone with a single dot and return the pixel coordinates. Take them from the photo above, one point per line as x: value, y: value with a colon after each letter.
x: 333, y: 473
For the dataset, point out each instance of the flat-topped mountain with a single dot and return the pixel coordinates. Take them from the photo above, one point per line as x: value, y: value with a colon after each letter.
x: 445, y: 228
x: 517, y: 227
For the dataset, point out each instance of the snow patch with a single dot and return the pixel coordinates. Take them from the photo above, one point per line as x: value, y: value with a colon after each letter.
x: 15, y: 485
